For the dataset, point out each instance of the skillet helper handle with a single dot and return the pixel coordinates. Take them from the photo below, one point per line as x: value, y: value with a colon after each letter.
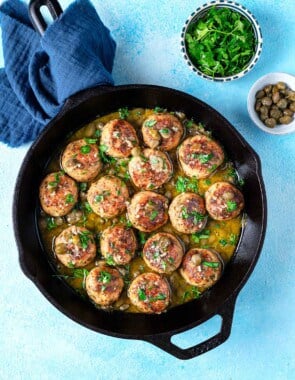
x: 36, y: 16
x: 164, y: 341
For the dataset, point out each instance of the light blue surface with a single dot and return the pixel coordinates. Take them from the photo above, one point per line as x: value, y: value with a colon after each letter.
x: 38, y: 342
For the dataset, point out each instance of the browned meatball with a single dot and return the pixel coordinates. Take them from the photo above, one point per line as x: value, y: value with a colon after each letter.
x: 118, y: 243
x: 119, y: 137
x: 147, y: 211
x: 151, y: 169
x: 104, y: 284
x: 187, y: 213
x: 224, y: 201
x: 75, y: 247
x: 81, y: 160
x: 201, y: 267
x: 199, y: 156
x: 108, y: 196
x: 162, y: 131
x: 150, y: 293
x: 58, y: 194
x: 163, y: 252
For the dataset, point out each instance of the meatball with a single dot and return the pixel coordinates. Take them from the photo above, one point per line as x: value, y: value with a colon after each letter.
x: 104, y: 284
x: 150, y: 293
x: 162, y: 131
x: 224, y: 201
x: 118, y: 243
x: 81, y: 160
x: 150, y: 170
x: 147, y: 211
x: 75, y: 247
x: 108, y: 196
x: 187, y: 213
x: 119, y: 137
x: 199, y: 156
x: 201, y: 267
x: 58, y: 194
x: 163, y: 252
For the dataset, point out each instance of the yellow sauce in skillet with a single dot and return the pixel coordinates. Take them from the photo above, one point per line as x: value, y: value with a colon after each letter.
x: 222, y: 236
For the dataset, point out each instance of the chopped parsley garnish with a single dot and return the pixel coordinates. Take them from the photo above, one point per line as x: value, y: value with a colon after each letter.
x: 159, y: 110
x: 105, y: 159
x: 84, y: 239
x: 200, y: 235
x: 85, y: 149
x: 158, y: 297
x: 203, y: 158
x: 210, y: 264
x: 100, y: 197
x: 83, y: 186
x: 141, y: 294
x: 183, y: 184
x: 153, y: 215
x: 197, y: 217
x: 110, y: 260
x: 77, y: 273
x: 57, y: 180
x: 231, y: 206
x: 208, y: 182
x: 124, y: 220
x: 150, y: 123
x: 104, y: 277
x: 189, y: 123
x: 213, y: 167
x: 164, y: 131
x: 50, y: 223
x: 195, y: 292
x: 233, y: 239
x: 223, y: 242
x: 241, y: 182
x: 70, y: 198
x: 90, y: 140
x: 142, y: 237
x: 97, y: 133
x: 86, y: 206
x: 123, y: 112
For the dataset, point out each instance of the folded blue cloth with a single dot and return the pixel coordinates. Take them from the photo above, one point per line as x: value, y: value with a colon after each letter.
x: 76, y: 52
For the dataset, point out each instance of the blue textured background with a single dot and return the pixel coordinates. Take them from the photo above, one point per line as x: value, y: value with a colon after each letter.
x: 37, y: 342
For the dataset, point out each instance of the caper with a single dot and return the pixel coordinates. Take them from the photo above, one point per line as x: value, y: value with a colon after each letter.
x: 281, y: 85
x: 276, y: 97
x: 276, y: 114
x: 291, y: 96
x: 285, y: 120
x: 266, y: 101
x: 267, y: 89
x: 270, y: 122
x: 292, y: 106
x: 258, y: 105
x: 263, y: 116
x: 260, y: 94
x: 282, y: 103
x: 288, y: 112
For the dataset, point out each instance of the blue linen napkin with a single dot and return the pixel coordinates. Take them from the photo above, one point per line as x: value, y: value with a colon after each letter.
x: 76, y: 52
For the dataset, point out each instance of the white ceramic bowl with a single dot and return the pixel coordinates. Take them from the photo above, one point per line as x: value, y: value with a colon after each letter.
x: 271, y: 78
x: 201, y: 12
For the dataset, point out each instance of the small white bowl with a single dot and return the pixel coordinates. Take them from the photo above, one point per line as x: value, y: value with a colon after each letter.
x: 271, y: 78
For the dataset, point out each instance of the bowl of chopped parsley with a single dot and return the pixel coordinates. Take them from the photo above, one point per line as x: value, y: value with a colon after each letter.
x: 221, y: 41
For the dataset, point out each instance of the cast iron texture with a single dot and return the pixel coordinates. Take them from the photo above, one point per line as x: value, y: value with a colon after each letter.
x: 157, y: 329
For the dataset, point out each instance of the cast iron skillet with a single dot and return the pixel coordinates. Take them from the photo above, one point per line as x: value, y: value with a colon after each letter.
x: 156, y: 329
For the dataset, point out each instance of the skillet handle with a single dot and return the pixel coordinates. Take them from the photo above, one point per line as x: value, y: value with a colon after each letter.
x: 36, y: 17
x: 163, y: 341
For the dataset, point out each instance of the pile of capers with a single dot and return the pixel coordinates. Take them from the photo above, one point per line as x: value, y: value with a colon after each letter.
x: 275, y: 104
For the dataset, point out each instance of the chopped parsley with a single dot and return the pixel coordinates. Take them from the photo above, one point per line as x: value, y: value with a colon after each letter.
x: 85, y: 149
x: 141, y: 294
x: 110, y: 260
x: 159, y: 110
x: 153, y: 215
x: 197, y: 217
x: 104, y: 277
x: 123, y: 112
x: 57, y: 180
x: 142, y: 237
x: 50, y: 223
x: 210, y: 264
x: 100, y: 197
x: 70, y: 199
x: 203, y: 158
x: 83, y: 186
x: 89, y: 140
x: 231, y: 206
x: 200, y: 235
x: 233, y: 239
x: 164, y: 131
x: 84, y: 239
x: 150, y: 123
x: 189, y: 123
x: 183, y: 184
x: 158, y: 297
x: 223, y: 242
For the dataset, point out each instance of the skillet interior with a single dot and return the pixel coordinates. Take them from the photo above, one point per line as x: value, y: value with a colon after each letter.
x: 34, y: 261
